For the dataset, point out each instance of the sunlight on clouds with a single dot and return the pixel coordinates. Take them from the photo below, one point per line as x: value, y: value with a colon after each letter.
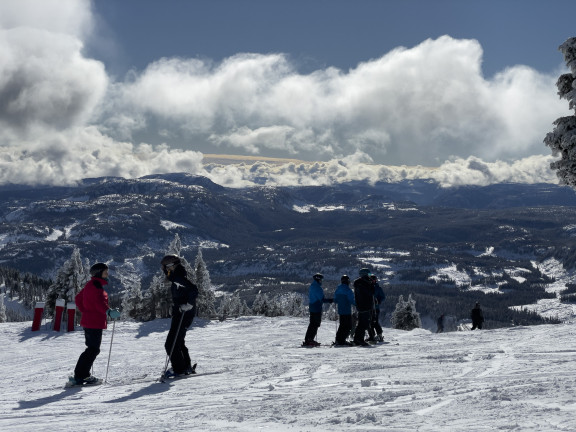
x: 417, y: 106
x: 457, y: 172
x: 62, y: 118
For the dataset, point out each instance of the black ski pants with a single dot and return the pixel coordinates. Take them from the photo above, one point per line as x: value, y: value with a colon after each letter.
x: 180, y: 358
x: 362, y: 326
x: 375, y: 327
x: 344, y: 329
x: 315, y: 320
x: 93, y: 339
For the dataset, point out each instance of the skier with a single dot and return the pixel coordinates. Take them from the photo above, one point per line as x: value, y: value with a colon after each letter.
x: 440, y: 324
x: 184, y: 295
x: 344, y: 298
x: 92, y: 302
x: 477, y: 317
x: 364, y: 295
x: 316, y: 300
x: 375, y: 329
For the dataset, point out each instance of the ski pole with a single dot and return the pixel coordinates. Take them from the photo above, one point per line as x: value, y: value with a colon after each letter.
x: 169, y: 356
x: 110, y: 351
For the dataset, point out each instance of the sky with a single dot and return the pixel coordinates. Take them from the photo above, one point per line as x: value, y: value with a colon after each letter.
x: 94, y: 88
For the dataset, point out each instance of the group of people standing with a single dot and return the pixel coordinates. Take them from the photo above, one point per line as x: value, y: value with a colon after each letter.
x: 92, y: 302
x: 367, y: 297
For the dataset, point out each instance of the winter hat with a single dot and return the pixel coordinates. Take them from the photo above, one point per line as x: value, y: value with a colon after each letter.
x: 364, y: 272
x: 97, y: 269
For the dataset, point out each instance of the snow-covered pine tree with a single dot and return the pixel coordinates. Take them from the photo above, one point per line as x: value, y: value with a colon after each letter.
x: 3, y: 318
x: 175, y: 247
x: 405, y: 316
x: 206, y: 302
x: 562, y: 140
x: 225, y: 307
x: 133, y: 301
x: 70, y: 279
x: 294, y: 304
x: 275, y: 307
x: 238, y: 307
x: 232, y: 306
x: 157, y: 300
x: 261, y: 304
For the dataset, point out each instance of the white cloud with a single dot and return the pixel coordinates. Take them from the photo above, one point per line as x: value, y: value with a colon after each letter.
x: 62, y: 118
x: 70, y: 17
x: 416, y: 106
x: 357, y: 167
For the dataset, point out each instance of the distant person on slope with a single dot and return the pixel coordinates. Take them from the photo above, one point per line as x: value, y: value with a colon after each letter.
x: 440, y: 324
x: 92, y: 302
x: 344, y: 298
x: 477, y: 317
x: 375, y: 329
x: 184, y: 295
x: 364, y: 295
x: 316, y: 300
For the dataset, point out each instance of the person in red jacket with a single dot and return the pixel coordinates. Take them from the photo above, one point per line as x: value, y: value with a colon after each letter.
x: 92, y: 302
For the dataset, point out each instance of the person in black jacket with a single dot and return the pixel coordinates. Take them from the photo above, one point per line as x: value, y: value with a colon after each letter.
x: 440, y: 323
x: 184, y: 295
x: 477, y: 317
x: 364, y: 295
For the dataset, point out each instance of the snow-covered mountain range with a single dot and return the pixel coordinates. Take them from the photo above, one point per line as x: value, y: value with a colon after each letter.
x: 419, y: 237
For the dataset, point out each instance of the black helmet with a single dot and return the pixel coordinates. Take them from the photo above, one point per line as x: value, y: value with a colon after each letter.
x: 169, y: 262
x: 97, y: 269
x: 373, y: 278
x: 364, y: 272
x: 345, y: 279
x: 318, y: 277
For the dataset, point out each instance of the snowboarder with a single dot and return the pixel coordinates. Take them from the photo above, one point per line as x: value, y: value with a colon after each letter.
x: 344, y: 298
x: 92, y: 302
x: 184, y: 295
x: 316, y: 300
x: 440, y: 324
x: 375, y: 329
x: 364, y: 295
x: 477, y: 317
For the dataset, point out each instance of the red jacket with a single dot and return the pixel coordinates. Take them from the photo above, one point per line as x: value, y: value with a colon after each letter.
x: 92, y: 302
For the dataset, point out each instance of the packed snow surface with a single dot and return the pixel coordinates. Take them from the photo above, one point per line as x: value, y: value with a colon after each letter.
x: 254, y: 376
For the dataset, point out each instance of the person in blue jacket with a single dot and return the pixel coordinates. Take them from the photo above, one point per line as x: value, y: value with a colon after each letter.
x: 375, y: 329
x: 344, y: 298
x: 316, y: 300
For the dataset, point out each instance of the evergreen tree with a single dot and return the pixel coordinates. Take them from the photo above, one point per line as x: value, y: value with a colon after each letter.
x: 175, y: 247
x: 157, y: 300
x: 3, y: 318
x: 133, y: 302
x: 261, y: 304
x: 206, y: 302
x: 562, y: 140
x: 70, y: 279
x: 405, y: 316
x: 224, y: 310
x: 294, y: 304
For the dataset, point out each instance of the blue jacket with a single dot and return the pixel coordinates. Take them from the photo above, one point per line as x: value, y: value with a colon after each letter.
x: 344, y: 297
x: 316, y: 296
x: 378, y: 295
